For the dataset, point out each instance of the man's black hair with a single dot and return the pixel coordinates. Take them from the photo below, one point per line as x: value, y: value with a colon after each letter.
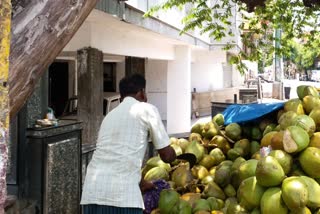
x: 132, y: 84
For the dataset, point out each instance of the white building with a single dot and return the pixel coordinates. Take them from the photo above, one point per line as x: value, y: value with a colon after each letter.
x: 174, y: 64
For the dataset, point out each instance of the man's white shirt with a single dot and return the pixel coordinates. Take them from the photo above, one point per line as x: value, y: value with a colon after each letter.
x: 114, y: 173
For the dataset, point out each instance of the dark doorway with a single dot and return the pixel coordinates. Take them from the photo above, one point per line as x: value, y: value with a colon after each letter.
x: 135, y: 65
x: 109, y: 77
x: 58, y: 86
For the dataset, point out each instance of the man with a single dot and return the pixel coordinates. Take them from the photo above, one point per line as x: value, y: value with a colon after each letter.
x: 113, y: 175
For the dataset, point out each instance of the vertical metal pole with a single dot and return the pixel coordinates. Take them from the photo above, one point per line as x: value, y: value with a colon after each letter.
x: 5, y: 22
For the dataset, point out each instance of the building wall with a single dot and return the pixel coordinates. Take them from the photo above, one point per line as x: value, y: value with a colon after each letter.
x: 206, y: 77
x: 120, y: 70
x: 110, y: 35
x: 207, y: 70
x: 82, y: 38
x: 156, y: 77
x: 117, y: 38
x: 237, y: 78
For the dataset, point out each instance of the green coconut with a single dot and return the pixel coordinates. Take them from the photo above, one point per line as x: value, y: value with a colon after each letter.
x: 277, y: 140
x: 269, y: 172
x: 183, y: 143
x: 294, y: 105
x: 266, y: 139
x: 173, y: 140
x: 218, y: 155
x: 309, y: 160
x: 197, y: 128
x: 219, y: 119
x: 245, y: 145
x: 210, y: 130
x: 177, y: 149
x: 199, y: 172
x: 213, y: 190
x: 264, y: 123
x: 295, y: 139
x: 237, y: 163
x: 182, y: 176
x: 284, y: 159
x: 228, y: 202
x: 167, y: 200
x: 220, y: 142
x: 156, y: 161
x: 235, y: 177
x: 310, y: 102
x: 234, y: 153
x: 247, y: 169
x: 304, y: 90
x: 313, y: 192
x: 300, y: 91
x: 201, y: 205
x: 212, y: 170
x: 250, y: 193
x: 191, y: 197
x: 294, y: 193
x: 280, y: 113
x: 255, y: 211
x: 223, y: 173
x: 286, y: 119
x: 229, y: 191
x: 233, y: 131
x: 269, y: 128
x: 214, y: 203
x: 234, y: 208
x: 315, y: 115
x: 209, y: 178
x: 256, y: 156
x: 315, y: 140
x: 208, y: 161
x: 254, y: 147
x: 271, y: 202
x: 156, y: 173
x: 181, y: 207
x: 256, y: 133
x: 195, y: 137
x: 195, y: 148
x: 305, y: 122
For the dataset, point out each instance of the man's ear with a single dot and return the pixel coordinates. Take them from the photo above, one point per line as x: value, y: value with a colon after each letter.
x: 141, y: 96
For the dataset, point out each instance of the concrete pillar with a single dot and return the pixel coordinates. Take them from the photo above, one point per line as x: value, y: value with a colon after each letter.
x: 179, y: 91
x: 90, y: 92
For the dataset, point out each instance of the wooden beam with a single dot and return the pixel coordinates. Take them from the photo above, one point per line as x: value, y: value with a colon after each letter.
x: 5, y: 17
x: 40, y: 30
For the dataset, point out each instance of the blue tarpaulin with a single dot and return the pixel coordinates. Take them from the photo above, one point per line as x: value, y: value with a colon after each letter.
x: 239, y: 113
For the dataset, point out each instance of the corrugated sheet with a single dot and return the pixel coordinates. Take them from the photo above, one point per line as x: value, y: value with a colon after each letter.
x: 109, y: 6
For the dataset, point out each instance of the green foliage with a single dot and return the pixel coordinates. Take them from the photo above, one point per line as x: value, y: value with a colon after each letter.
x: 303, y: 53
x: 295, y: 20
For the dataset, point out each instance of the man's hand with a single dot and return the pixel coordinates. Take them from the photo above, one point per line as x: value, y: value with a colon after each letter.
x: 167, y: 154
x: 146, y: 185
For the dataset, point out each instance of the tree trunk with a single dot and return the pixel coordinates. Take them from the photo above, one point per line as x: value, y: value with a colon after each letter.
x: 40, y: 30
x: 5, y: 11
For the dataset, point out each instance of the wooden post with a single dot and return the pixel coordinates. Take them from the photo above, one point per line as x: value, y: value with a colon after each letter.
x: 5, y: 19
x: 40, y: 30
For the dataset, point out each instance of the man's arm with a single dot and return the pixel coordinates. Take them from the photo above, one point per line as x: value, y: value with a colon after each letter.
x: 167, y: 154
x: 159, y: 136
